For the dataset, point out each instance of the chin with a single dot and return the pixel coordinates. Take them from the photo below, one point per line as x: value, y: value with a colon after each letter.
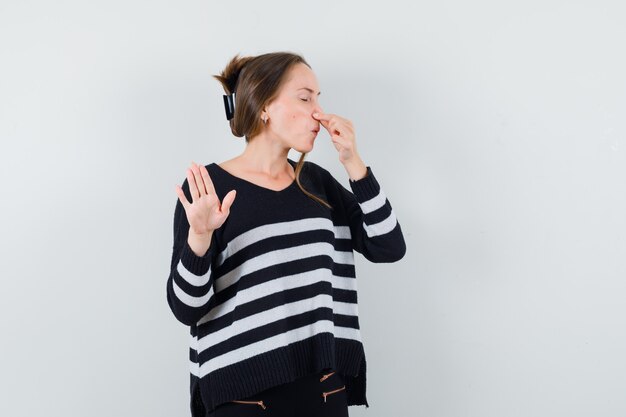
x: 304, y: 148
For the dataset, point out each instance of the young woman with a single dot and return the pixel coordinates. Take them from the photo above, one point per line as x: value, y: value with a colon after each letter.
x: 263, y: 265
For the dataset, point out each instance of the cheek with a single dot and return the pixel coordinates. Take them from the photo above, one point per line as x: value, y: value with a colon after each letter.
x: 299, y: 115
x: 293, y: 118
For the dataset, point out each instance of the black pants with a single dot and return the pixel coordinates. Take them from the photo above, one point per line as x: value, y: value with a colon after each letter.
x: 316, y: 395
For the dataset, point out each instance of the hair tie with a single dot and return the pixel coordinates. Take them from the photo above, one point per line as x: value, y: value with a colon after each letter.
x: 229, y: 105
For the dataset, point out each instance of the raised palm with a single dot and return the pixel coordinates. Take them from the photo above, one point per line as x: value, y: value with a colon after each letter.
x: 204, y: 213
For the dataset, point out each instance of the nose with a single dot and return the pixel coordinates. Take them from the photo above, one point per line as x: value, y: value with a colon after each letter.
x: 317, y: 109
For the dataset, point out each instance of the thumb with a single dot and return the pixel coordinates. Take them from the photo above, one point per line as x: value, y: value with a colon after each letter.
x: 228, y: 201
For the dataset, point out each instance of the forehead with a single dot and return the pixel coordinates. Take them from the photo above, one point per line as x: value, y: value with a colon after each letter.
x: 300, y: 76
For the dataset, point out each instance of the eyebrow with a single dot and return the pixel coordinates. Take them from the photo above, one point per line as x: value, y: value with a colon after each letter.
x: 306, y: 88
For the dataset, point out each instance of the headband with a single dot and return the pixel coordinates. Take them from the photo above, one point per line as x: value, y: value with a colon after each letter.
x: 229, y: 105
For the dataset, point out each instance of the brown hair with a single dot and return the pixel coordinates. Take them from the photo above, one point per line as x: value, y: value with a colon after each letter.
x: 256, y: 80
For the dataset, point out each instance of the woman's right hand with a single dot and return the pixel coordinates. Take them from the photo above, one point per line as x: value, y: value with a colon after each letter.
x: 205, y: 213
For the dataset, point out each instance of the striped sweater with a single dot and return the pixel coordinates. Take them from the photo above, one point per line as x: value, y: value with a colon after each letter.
x: 275, y: 296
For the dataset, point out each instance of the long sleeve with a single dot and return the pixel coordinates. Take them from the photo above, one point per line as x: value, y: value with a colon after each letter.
x: 190, y: 283
x: 375, y: 230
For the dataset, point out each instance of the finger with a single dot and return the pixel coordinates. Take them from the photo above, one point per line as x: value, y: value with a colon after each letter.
x: 208, y: 184
x: 193, y: 189
x: 324, y: 124
x: 335, y: 130
x: 333, y: 124
x: 228, y: 201
x: 336, y: 140
x: 323, y: 116
x: 338, y: 124
x: 343, y: 128
x: 182, y: 197
x: 329, y: 117
x: 198, y: 178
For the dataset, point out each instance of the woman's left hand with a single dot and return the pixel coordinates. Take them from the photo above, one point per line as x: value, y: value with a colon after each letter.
x: 342, y: 134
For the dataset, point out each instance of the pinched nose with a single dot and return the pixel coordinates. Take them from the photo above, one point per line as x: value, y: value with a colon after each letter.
x: 317, y: 109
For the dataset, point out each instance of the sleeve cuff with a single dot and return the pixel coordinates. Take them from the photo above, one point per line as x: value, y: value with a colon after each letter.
x: 197, y: 265
x: 366, y: 187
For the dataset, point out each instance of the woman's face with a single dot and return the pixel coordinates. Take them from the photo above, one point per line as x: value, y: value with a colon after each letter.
x: 290, y: 115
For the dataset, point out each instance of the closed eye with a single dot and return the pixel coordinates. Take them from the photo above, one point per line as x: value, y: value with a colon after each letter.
x: 304, y: 99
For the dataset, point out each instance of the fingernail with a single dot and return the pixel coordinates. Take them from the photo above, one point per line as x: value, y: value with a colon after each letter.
x: 316, y: 114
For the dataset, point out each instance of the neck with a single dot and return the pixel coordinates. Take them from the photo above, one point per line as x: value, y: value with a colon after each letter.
x: 267, y: 157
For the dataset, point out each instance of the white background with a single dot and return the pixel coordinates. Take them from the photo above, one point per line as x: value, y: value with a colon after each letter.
x: 496, y: 130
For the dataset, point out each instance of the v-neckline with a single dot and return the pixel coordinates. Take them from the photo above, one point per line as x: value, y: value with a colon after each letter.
x: 256, y: 185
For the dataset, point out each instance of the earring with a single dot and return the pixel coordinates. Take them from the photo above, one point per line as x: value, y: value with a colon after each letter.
x: 264, y: 120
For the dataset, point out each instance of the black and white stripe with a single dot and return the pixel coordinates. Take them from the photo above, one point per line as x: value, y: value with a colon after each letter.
x: 273, y: 286
x: 281, y: 282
